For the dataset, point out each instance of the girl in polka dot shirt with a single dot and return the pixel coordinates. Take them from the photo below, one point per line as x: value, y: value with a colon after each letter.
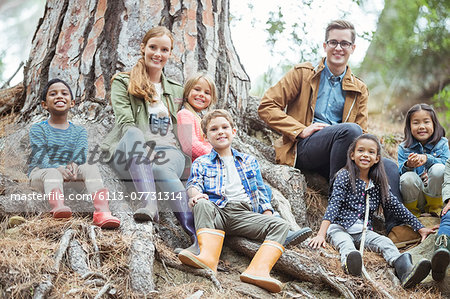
x: 364, y: 175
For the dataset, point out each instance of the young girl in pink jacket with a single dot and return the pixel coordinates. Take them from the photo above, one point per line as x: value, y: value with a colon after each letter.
x: 199, y: 93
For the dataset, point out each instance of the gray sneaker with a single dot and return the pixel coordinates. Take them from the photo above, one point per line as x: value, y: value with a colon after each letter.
x: 296, y: 237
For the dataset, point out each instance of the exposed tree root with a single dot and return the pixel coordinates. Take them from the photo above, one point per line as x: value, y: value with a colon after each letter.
x: 46, y: 285
x: 199, y: 272
x: 297, y: 265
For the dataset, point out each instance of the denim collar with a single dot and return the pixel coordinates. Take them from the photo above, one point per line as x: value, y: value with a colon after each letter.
x: 416, y: 144
x: 329, y: 75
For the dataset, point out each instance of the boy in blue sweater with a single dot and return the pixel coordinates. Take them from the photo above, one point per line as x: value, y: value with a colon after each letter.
x: 59, y: 154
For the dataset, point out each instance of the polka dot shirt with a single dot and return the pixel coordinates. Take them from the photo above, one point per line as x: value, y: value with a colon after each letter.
x: 345, y: 207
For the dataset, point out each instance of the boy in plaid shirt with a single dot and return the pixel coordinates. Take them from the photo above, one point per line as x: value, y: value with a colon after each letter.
x: 227, y: 194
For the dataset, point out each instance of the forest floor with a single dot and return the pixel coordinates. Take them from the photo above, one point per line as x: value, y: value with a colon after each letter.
x: 27, y: 253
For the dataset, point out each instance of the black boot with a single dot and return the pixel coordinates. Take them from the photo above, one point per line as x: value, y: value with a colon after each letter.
x: 142, y: 174
x: 441, y: 257
x: 180, y: 208
x: 353, y: 263
x: 410, y: 275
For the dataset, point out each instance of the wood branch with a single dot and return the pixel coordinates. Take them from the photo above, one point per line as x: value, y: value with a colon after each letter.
x: 198, y: 272
x: 45, y: 287
x: 378, y: 288
x: 96, y: 254
x: 297, y: 265
x: 103, y: 291
x: 304, y: 293
x: 78, y: 258
x: 63, y: 245
x: 6, y: 84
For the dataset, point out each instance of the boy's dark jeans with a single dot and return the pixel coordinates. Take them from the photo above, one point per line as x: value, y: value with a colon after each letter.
x: 325, y: 152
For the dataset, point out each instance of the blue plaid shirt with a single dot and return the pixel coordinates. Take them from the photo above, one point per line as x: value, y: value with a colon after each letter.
x: 207, y: 174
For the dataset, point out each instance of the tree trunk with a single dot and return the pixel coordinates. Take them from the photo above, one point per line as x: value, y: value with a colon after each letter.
x: 87, y: 42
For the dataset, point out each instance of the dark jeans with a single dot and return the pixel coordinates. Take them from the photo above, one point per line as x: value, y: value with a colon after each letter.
x: 394, y: 182
x: 325, y: 152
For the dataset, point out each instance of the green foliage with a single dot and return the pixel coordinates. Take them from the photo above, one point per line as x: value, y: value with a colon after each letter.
x: 410, y: 52
x: 276, y: 26
x: 269, y: 78
x: 441, y: 101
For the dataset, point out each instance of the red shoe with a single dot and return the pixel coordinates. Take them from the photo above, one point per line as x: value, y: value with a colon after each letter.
x: 56, y: 201
x: 102, y: 215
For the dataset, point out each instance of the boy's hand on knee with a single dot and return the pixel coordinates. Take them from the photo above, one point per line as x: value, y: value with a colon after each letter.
x: 425, y: 231
x: 267, y: 212
x: 317, y: 242
x: 66, y: 174
x: 73, y: 168
x: 193, y: 200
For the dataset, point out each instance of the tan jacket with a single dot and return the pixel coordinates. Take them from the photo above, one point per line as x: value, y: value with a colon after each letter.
x: 288, y: 106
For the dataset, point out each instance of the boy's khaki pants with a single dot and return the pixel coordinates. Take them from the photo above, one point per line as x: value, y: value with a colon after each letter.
x: 237, y: 218
x: 47, y: 179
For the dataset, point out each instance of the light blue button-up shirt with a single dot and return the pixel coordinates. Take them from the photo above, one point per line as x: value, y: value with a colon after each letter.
x: 330, y: 98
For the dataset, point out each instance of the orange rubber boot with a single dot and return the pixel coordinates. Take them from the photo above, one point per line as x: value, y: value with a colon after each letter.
x: 210, y: 242
x: 258, y: 272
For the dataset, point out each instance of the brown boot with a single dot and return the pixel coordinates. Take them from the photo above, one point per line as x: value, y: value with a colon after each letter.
x: 258, y: 272
x: 403, y: 235
x: 56, y: 201
x: 102, y: 216
x: 210, y: 242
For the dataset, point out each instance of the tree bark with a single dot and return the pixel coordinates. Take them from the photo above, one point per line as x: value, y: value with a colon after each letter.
x: 87, y: 42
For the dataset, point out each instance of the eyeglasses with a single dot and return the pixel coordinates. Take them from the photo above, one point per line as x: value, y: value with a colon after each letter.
x: 334, y: 43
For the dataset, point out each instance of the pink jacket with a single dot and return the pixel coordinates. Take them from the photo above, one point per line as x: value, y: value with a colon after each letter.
x: 190, y: 135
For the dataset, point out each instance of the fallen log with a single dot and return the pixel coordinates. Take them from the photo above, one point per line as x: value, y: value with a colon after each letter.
x: 142, y: 249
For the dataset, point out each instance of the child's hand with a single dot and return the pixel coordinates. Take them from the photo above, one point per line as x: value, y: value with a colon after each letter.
x: 193, y: 200
x: 425, y: 231
x: 65, y: 173
x: 422, y: 159
x: 317, y: 241
x: 73, y: 169
x: 446, y: 208
x: 267, y: 212
x: 416, y: 160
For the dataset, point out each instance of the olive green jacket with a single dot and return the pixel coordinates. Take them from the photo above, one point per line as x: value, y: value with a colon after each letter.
x: 131, y: 111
